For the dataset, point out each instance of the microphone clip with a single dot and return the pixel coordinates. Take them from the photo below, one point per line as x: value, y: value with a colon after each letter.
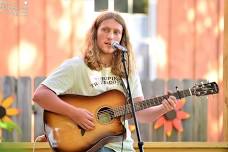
x: 116, y: 45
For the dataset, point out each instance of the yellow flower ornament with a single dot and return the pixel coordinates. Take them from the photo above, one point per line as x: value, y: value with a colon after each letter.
x: 6, y: 111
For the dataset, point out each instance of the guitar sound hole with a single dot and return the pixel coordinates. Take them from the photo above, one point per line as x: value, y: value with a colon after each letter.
x: 105, y: 115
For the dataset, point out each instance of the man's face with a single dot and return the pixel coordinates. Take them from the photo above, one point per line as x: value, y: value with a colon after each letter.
x: 108, y: 31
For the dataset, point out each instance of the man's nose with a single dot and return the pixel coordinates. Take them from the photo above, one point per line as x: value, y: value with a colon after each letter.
x: 110, y: 35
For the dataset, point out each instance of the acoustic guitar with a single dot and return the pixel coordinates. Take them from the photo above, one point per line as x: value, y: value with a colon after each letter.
x: 108, y: 108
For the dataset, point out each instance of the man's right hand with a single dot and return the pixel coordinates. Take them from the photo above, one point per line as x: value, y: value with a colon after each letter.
x: 83, y: 118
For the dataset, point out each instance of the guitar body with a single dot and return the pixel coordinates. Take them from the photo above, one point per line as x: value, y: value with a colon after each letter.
x: 65, y: 136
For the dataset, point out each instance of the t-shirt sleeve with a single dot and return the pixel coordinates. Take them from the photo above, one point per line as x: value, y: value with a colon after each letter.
x: 136, y: 87
x: 61, y: 80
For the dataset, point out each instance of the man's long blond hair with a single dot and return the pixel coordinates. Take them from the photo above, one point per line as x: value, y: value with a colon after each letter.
x: 92, y: 52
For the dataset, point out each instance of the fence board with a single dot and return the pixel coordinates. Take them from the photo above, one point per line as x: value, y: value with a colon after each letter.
x: 38, y: 113
x: 158, y: 89
x: 24, y: 92
x: 171, y: 86
x: 201, y: 108
x: 188, y: 107
x: 1, y: 88
x: 195, y: 127
x: 146, y: 129
x: 9, y: 89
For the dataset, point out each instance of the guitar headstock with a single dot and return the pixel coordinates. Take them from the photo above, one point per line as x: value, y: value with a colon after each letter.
x: 205, y: 89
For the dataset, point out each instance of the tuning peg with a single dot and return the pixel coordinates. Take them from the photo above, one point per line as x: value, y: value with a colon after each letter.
x: 194, y: 85
x: 178, y: 92
x: 177, y: 89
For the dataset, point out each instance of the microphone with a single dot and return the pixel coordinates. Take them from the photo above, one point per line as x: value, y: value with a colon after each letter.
x: 116, y: 45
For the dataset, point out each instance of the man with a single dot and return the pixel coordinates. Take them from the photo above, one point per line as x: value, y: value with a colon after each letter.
x: 98, y: 71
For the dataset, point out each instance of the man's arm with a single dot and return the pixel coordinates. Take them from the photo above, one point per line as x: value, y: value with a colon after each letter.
x: 48, y: 100
x: 152, y: 113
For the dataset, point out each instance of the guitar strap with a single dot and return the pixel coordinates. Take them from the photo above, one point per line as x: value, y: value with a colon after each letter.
x: 124, y: 118
x: 124, y: 88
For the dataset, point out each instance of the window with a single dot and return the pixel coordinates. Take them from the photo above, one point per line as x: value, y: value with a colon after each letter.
x: 125, y: 6
x: 100, y: 5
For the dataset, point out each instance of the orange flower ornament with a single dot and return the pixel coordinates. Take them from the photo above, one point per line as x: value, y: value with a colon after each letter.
x: 172, y: 119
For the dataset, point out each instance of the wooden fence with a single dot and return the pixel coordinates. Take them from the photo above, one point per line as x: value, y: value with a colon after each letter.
x: 194, y: 128
x: 22, y: 88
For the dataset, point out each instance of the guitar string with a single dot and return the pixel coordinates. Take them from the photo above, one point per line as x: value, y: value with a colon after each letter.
x: 121, y: 109
x: 114, y: 111
x: 110, y: 112
x: 118, y: 109
x: 155, y: 101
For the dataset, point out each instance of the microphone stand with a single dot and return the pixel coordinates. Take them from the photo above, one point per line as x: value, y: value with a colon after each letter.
x: 140, y: 142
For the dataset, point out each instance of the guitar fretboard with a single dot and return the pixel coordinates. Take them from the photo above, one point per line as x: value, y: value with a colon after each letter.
x: 121, y: 110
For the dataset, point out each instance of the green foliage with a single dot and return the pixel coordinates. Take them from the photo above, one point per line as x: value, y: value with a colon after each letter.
x: 10, y: 126
x: 12, y: 150
x: 140, y: 6
x: 12, y: 147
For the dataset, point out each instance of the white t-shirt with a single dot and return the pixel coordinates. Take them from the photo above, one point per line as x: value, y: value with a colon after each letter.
x: 75, y: 77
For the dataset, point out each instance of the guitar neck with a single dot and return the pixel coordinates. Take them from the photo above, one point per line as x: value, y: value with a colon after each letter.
x: 120, y: 111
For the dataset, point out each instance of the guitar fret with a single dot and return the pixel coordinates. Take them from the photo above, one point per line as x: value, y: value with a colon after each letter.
x: 147, y: 104
x: 140, y: 106
x: 122, y: 110
x: 137, y: 107
x: 152, y: 102
x: 190, y: 92
x: 158, y: 100
x: 143, y: 105
x: 116, y: 111
x: 119, y: 111
x: 183, y: 93
x: 128, y: 108
x: 161, y: 99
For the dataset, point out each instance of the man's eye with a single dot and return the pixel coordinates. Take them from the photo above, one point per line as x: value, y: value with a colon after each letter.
x: 117, y: 33
x: 105, y: 29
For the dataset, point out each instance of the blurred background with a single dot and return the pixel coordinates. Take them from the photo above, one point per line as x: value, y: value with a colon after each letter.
x: 173, y: 40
